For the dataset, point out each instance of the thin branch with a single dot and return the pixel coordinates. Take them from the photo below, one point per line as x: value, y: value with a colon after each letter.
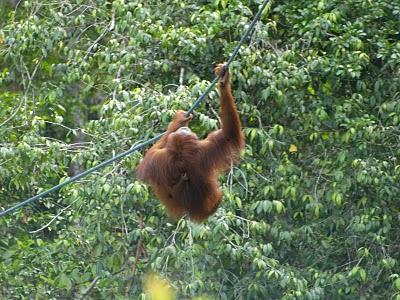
x: 69, y: 128
x: 139, y: 249
x: 54, y: 218
x: 110, y: 27
x: 6, y: 161
x: 181, y: 77
x: 89, y: 288
x: 30, y: 77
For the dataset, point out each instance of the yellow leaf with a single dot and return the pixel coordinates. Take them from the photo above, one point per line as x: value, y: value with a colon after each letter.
x: 311, y: 90
x: 293, y: 148
x: 157, y: 288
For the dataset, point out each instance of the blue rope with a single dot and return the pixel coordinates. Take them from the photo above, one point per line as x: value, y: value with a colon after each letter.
x: 144, y: 144
x: 231, y: 58
x: 80, y: 175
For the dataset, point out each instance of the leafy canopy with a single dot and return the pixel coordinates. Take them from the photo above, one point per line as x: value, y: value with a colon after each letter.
x: 312, y: 212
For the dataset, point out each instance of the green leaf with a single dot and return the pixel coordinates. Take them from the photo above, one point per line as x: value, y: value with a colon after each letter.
x: 65, y: 282
x: 397, y: 283
x: 363, y: 274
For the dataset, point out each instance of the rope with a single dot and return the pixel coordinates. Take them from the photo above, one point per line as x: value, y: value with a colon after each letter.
x: 148, y: 142
x: 231, y: 58
x: 80, y: 175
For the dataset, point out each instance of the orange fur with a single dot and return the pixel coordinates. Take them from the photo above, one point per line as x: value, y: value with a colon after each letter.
x: 182, y: 170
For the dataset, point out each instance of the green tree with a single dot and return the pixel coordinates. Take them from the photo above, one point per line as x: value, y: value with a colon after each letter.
x: 312, y: 211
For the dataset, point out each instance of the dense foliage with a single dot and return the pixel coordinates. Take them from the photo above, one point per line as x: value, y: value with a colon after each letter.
x: 312, y: 211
